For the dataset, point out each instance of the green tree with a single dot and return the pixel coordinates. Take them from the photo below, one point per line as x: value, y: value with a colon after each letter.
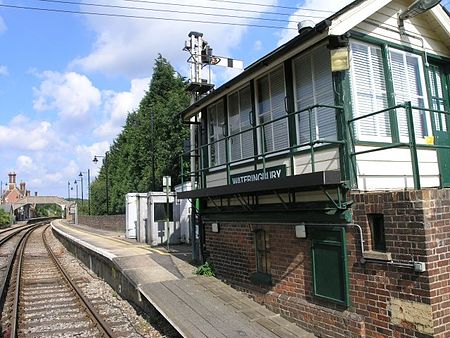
x: 48, y: 210
x: 153, y: 132
x: 5, y: 218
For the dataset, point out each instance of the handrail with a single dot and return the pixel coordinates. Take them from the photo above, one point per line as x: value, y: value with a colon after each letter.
x: 261, y: 154
x: 411, y: 144
x: 260, y: 129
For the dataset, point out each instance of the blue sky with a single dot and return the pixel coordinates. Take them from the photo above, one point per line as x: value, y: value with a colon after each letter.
x: 67, y: 81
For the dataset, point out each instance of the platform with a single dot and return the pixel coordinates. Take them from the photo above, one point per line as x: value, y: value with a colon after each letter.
x: 196, y: 306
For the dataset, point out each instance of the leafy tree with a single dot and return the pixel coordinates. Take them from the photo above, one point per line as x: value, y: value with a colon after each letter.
x: 48, y: 210
x: 5, y: 218
x: 153, y: 132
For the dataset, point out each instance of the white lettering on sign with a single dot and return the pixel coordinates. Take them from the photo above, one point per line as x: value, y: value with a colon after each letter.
x: 259, y: 176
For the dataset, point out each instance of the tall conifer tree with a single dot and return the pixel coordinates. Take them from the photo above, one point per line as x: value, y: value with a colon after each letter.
x: 153, y: 132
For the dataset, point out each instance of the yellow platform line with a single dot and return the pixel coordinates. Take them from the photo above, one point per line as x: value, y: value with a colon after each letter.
x: 121, y: 241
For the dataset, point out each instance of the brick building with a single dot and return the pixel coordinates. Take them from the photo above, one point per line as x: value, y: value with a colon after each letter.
x: 322, y: 173
x: 14, y: 193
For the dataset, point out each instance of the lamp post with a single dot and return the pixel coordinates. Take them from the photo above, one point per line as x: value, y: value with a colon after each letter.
x: 95, y: 160
x: 68, y: 190
x: 81, y: 179
x: 153, y: 150
x: 76, y: 190
x: 88, y: 172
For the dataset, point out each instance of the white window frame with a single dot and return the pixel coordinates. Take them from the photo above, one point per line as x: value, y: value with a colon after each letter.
x: 355, y: 104
x: 404, y: 138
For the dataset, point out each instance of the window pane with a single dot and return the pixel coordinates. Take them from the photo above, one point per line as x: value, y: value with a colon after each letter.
x: 313, y: 85
x: 239, y: 110
x: 160, y: 212
x: 408, y: 86
x: 369, y: 90
x: 216, y: 125
x: 271, y: 94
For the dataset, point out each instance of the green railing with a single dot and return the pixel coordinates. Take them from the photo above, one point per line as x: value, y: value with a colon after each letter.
x: 396, y: 140
x: 261, y: 155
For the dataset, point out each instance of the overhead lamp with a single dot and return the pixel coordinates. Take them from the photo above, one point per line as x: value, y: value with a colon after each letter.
x: 340, y: 59
x: 416, y: 8
x: 95, y: 160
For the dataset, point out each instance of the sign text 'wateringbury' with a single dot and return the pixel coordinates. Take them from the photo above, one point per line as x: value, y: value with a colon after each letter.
x: 259, y: 175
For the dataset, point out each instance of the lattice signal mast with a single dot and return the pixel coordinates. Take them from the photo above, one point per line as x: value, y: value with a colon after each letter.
x: 200, y: 56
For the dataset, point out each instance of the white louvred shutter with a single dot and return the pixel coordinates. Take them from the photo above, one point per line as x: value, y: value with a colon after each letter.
x: 280, y: 128
x: 313, y: 83
x: 369, y: 91
x: 233, y: 122
x: 245, y: 107
x: 323, y: 93
x: 408, y: 86
x: 304, y: 97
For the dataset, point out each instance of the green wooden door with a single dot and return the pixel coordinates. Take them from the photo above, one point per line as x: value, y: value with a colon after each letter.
x: 329, y: 264
x: 439, y: 86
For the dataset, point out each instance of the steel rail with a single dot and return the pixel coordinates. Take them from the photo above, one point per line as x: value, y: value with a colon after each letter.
x: 85, y: 302
x: 15, y: 231
x: 11, y: 258
x: 15, y: 309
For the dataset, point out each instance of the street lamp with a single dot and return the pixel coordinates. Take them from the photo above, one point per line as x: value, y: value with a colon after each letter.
x: 76, y: 189
x: 95, y: 160
x: 88, y: 172
x: 81, y: 179
x: 68, y: 190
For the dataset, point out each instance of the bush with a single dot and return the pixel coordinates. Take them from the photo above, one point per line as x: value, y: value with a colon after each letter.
x: 206, y: 269
x: 5, y: 218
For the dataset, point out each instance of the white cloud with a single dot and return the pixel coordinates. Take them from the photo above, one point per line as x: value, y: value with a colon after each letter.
x: 129, y: 46
x: 25, y: 163
x: 257, y: 46
x: 71, y: 94
x: 3, y: 70
x: 118, y: 105
x: 2, y: 25
x: 303, y: 14
x: 22, y: 134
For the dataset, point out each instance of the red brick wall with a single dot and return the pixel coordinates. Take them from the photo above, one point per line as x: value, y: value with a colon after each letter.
x: 233, y: 255
x: 417, y: 226
x: 104, y: 222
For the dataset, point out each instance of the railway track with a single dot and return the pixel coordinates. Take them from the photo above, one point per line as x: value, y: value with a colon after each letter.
x: 43, y: 301
x: 39, y: 300
x: 46, y: 302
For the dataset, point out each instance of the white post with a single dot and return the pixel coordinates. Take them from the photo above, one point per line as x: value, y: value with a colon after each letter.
x: 166, y: 186
x: 76, y: 214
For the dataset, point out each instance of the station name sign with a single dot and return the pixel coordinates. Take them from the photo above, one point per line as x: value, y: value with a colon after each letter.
x: 259, y: 175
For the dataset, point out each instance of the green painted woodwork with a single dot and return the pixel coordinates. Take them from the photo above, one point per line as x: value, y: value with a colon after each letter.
x: 390, y: 94
x: 329, y: 264
x: 380, y: 42
x: 441, y: 123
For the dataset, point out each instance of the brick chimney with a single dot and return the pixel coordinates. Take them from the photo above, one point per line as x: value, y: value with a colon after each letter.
x: 12, y: 180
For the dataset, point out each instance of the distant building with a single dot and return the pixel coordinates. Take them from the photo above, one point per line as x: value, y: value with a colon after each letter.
x: 13, y: 194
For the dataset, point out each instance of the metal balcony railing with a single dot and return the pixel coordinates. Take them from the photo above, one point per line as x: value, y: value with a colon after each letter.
x: 261, y: 155
x: 349, y: 140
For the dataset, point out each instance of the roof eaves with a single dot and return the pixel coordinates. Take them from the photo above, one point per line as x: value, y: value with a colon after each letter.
x: 267, y: 59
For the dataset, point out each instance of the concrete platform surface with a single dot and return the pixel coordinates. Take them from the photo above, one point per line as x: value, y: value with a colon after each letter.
x: 196, y: 306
